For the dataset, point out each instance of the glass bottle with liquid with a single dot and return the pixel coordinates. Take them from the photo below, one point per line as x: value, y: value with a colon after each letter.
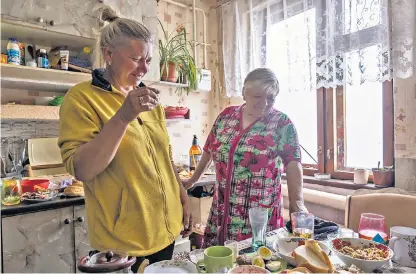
x: 195, y: 153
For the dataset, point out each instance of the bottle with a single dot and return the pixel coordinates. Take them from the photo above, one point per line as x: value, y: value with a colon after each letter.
x: 13, y: 52
x: 195, y: 153
x: 22, y: 53
x: 43, y: 59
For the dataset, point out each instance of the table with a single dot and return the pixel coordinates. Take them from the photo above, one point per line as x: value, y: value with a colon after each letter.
x: 272, y: 236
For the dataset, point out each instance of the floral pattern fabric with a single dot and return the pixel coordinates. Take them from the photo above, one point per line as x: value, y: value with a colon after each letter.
x: 249, y: 163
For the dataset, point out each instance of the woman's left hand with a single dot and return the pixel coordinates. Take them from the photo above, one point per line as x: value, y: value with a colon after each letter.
x: 187, y: 219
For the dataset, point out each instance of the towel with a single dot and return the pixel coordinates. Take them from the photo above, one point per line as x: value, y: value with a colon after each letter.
x: 321, y: 228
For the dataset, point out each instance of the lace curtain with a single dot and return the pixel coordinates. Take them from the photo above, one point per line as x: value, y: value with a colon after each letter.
x: 318, y: 43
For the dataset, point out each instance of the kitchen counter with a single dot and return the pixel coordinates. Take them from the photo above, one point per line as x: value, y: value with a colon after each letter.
x: 24, y: 207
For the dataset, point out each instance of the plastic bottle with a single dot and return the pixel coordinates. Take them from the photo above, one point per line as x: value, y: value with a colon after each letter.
x: 195, y: 153
x: 43, y: 59
x: 13, y: 52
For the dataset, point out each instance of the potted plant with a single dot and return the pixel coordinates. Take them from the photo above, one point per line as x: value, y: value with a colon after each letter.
x: 175, y: 59
x: 384, y: 176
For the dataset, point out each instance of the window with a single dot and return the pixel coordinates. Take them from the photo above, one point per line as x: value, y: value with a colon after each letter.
x: 339, y: 129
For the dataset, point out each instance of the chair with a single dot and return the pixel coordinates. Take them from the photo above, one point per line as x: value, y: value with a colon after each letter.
x: 398, y: 209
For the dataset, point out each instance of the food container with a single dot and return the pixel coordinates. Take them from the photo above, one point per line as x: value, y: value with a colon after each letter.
x: 322, y: 176
x: 11, y: 191
x: 361, y: 176
x: 28, y: 185
x: 175, y: 112
x: 105, y: 262
x: 59, y: 58
x: 4, y: 58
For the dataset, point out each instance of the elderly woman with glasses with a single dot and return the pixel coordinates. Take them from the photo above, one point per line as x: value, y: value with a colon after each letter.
x: 251, y: 145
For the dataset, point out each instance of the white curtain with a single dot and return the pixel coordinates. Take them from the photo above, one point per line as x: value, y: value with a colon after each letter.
x: 318, y: 43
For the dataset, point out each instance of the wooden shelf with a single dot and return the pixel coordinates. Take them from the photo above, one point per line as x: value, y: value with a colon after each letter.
x: 39, y: 35
x: 29, y: 113
x: 163, y: 83
x: 39, y: 79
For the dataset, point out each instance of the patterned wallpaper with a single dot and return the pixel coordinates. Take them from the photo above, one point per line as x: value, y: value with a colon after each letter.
x: 405, y: 132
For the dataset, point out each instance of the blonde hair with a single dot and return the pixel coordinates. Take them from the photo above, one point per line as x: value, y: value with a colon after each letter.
x: 116, y: 31
x: 264, y: 78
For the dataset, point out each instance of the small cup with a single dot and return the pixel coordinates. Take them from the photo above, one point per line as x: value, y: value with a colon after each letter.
x: 361, y: 176
x: 303, y: 224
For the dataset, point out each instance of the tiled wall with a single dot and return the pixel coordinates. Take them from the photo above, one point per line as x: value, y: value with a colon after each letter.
x: 405, y: 132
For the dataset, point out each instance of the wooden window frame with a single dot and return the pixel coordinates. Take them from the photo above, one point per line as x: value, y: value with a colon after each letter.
x: 331, y: 143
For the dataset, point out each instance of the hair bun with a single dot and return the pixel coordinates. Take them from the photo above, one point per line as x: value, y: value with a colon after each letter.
x: 106, y: 13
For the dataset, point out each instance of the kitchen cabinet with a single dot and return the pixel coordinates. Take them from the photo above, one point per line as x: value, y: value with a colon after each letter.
x: 69, y: 16
x: 39, y: 242
x: 82, y: 246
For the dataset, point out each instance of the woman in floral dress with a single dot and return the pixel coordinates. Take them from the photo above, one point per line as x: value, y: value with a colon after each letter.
x: 250, y: 145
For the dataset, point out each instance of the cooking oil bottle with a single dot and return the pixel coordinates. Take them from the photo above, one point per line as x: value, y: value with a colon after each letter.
x: 195, y: 153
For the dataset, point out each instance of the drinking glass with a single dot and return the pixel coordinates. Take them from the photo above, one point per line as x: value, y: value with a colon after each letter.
x: 372, y: 224
x: 11, y: 191
x: 258, y: 220
x: 234, y: 247
x: 303, y: 224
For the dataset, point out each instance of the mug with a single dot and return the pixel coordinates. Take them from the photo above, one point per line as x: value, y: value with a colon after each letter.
x: 403, y: 244
x: 216, y: 259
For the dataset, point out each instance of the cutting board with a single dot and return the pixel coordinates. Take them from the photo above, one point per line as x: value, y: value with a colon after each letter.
x: 45, y: 157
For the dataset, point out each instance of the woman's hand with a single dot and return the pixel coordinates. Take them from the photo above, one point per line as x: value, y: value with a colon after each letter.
x: 137, y: 101
x: 187, y: 218
x: 187, y: 184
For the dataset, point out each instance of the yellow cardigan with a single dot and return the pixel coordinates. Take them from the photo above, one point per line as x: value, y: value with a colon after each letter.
x: 134, y: 204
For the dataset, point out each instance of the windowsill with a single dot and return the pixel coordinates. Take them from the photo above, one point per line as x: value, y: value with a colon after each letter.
x: 346, y: 184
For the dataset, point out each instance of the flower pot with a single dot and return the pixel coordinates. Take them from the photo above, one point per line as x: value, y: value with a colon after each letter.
x: 169, y: 72
x: 383, y: 178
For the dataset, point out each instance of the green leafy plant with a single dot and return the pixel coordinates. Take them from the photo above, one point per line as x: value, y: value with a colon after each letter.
x: 174, y: 49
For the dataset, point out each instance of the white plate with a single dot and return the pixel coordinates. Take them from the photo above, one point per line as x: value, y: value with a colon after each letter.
x: 171, y: 267
x: 196, y: 255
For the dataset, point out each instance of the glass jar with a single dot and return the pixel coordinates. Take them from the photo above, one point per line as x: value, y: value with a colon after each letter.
x: 11, y: 191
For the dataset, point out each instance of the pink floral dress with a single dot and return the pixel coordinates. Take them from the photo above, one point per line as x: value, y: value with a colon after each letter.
x: 249, y: 163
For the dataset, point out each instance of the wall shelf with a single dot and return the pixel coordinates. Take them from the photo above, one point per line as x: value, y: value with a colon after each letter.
x: 29, y: 113
x: 164, y: 83
x: 39, y: 79
x: 40, y: 35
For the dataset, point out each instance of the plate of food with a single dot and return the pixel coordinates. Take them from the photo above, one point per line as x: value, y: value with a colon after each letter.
x: 364, y: 254
x: 285, y: 247
x: 264, y: 258
x: 39, y: 196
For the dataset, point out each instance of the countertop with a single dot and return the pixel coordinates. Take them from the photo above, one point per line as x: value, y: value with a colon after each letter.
x: 23, y: 207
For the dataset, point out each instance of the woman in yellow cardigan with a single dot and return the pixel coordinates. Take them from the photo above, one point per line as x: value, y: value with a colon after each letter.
x: 113, y: 138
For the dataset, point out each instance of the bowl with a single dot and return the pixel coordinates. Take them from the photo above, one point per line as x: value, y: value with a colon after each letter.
x: 365, y: 265
x: 285, y: 246
x: 248, y: 269
x: 28, y: 185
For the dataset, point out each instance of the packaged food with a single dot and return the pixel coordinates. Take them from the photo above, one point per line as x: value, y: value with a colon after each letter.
x: 13, y: 52
x: 59, y: 58
x: 22, y: 53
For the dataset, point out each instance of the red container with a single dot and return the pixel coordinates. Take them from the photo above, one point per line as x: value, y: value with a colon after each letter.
x: 28, y: 185
x: 175, y: 112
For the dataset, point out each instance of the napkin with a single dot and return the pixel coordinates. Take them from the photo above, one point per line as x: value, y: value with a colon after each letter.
x: 321, y: 228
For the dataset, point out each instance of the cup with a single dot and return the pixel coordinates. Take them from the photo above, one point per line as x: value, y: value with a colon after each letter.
x: 258, y: 220
x: 216, y: 259
x: 403, y: 244
x: 302, y: 225
x: 234, y: 247
x: 361, y: 176
x: 372, y: 227
x: 11, y: 191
